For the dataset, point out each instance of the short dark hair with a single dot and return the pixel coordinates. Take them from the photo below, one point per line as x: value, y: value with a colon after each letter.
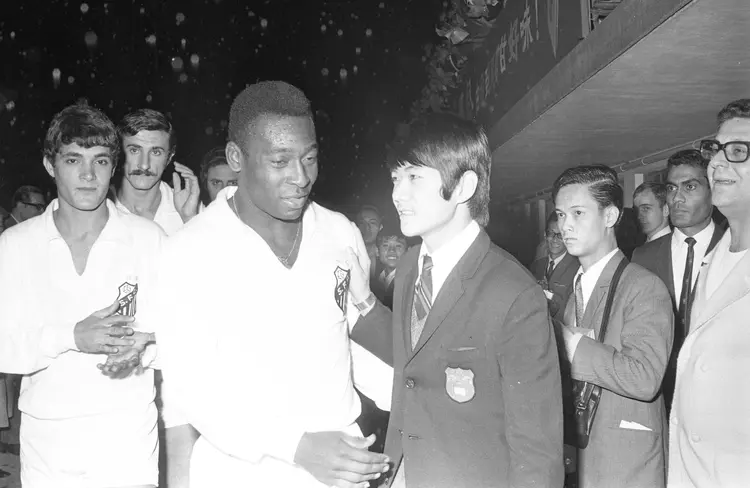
x: 552, y: 217
x: 658, y: 189
x: 148, y: 119
x: 265, y: 98
x: 738, y: 109
x: 602, y: 182
x: 452, y: 146
x: 23, y: 192
x: 371, y: 208
x: 214, y: 157
x: 691, y: 157
x: 84, y: 125
x: 389, y: 232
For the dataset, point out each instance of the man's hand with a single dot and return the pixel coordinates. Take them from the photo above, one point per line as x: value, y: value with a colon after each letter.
x: 337, y: 459
x: 359, y: 285
x: 186, y: 200
x: 122, y: 364
x: 103, y: 332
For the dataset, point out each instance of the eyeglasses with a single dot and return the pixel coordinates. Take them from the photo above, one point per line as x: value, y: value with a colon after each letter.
x: 734, y: 151
x: 554, y: 235
x: 38, y: 206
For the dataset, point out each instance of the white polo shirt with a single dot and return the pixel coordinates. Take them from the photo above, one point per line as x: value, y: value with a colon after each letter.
x: 74, y: 417
x: 270, y: 344
x: 166, y: 215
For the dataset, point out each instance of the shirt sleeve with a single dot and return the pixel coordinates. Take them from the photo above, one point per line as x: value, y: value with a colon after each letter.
x: 26, y: 345
x: 358, y: 244
x: 372, y: 376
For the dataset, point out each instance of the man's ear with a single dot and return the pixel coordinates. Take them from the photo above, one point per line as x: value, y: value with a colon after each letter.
x: 665, y: 211
x: 234, y: 156
x: 611, y: 216
x: 466, y: 187
x: 49, y: 166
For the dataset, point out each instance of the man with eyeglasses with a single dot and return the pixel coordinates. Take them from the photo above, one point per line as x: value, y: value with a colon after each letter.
x: 28, y: 201
x: 556, y: 270
x: 709, y: 437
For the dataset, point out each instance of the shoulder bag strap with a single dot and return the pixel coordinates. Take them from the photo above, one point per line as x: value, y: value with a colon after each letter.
x: 611, y: 296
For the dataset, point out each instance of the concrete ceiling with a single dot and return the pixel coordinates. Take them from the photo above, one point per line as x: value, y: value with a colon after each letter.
x: 662, y: 91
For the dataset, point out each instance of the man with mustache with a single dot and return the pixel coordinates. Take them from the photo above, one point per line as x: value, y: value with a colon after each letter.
x: 676, y: 257
x: 149, y: 143
x: 261, y: 317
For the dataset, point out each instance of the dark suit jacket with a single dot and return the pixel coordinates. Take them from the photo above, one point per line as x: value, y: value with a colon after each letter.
x: 384, y: 293
x: 629, y: 366
x: 478, y: 402
x: 560, y: 283
x: 656, y: 256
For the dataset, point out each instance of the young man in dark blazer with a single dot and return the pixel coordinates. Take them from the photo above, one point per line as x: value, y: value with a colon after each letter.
x: 556, y: 270
x: 676, y: 258
x: 476, y: 391
x: 627, y: 441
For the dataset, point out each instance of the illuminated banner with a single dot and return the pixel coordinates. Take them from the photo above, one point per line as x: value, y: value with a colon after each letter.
x: 528, y: 39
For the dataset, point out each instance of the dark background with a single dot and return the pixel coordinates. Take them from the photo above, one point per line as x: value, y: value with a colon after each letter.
x: 104, y: 52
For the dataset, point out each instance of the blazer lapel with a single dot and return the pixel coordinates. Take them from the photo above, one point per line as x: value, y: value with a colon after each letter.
x: 453, y: 289
x: 561, y: 268
x: 601, y: 288
x: 719, y: 230
x: 408, y: 294
x: 735, y: 286
x: 666, y: 271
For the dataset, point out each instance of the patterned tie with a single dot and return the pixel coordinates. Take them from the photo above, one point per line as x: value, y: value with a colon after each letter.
x: 550, y: 269
x: 422, y: 300
x: 687, y: 285
x: 580, y: 309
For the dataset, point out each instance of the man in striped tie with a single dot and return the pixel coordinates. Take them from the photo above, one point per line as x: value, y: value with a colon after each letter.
x: 476, y: 390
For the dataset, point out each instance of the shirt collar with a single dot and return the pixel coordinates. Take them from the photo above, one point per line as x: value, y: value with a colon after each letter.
x: 451, y: 252
x: 595, y: 271
x: 702, y: 238
x: 114, y: 230
x: 666, y: 230
x: 557, y: 259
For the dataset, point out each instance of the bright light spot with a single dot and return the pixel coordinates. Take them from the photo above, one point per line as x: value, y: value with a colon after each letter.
x: 177, y: 63
x: 323, y: 28
x: 151, y: 40
x: 263, y: 23
x: 56, y: 77
x: 180, y: 17
x: 183, y: 43
x: 382, y: 5
x: 142, y: 11
x: 358, y: 50
x: 251, y: 14
x: 13, y: 34
x: 343, y: 73
x: 355, y: 69
x: 209, y: 131
x: 183, y: 78
x: 84, y: 7
x: 324, y: 71
x: 91, y: 39
x: 195, y: 60
x: 368, y: 32
x: 149, y: 98
x: 340, y: 33
x: 71, y: 80
x: 10, y: 105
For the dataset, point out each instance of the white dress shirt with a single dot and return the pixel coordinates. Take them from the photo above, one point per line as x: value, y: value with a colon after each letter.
x: 666, y: 230
x: 588, y: 282
x: 166, y: 215
x: 270, y: 344
x: 679, y: 254
x: 386, y: 277
x: 69, y: 408
x: 445, y: 258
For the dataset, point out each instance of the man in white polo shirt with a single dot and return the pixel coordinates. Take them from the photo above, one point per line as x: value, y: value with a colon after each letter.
x: 65, y: 278
x: 261, y: 318
x: 148, y: 141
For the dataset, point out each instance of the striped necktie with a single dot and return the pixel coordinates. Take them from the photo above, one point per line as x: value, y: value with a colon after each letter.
x: 422, y: 300
x: 580, y: 309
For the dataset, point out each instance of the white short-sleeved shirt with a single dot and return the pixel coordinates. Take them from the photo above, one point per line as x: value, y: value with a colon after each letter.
x: 271, y: 344
x: 166, y: 215
x: 42, y: 296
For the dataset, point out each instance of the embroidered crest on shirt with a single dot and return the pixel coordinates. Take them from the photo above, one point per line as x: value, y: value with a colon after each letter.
x: 126, y: 297
x: 342, y: 286
x: 459, y: 384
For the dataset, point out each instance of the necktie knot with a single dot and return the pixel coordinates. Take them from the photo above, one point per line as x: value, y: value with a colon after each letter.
x: 690, y: 241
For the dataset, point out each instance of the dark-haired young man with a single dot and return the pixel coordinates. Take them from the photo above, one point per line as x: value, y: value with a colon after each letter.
x: 149, y: 143
x: 370, y: 223
x: 391, y: 246
x: 215, y: 174
x: 476, y: 392
x: 650, y: 202
x: 676, y: 258
x: 71, y: 282
x: 28, y: 201
x: 709, y: 429
x: 626, y: 445
x: 279, y: 405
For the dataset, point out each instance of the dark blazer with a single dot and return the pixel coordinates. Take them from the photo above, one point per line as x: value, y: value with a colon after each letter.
x: 384, y: 293
x: 629, y: 366
x: 478, y: 402
x: 560, y: 283
x: 656, y: 256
